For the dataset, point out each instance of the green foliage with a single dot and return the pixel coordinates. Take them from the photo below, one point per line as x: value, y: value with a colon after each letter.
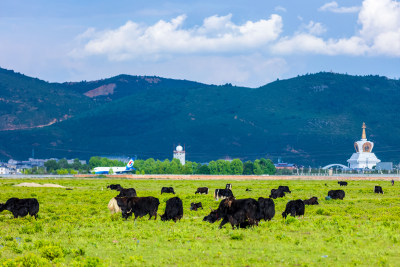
x: 29, y: 260
x: 51, y: 252
x: 104, y: 162
x: 236, y: 167
x: 248, y: 168
x: 62, y: 172
x: 51, y: 165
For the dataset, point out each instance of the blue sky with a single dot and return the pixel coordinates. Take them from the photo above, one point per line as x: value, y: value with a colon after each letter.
x: 248, y: 43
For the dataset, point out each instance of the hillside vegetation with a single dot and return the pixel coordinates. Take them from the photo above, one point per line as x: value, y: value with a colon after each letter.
x: 312, y: 119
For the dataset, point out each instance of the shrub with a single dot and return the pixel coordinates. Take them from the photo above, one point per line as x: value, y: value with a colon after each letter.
x: 62, y: 172
x: 92, y: 262
x: 52, y: 252
x: 29, y: 260
x: 237, y: 236
x: 78, y: 252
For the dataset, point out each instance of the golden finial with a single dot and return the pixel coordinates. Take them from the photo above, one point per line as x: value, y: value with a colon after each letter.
x: 363, y: 136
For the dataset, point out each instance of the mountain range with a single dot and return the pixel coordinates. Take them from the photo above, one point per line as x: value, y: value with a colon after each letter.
x: 312, y: 119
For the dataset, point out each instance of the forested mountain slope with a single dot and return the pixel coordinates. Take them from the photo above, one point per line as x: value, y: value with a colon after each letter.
x: 312, y: 119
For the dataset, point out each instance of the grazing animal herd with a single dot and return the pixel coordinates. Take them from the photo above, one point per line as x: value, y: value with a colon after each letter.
x: 240, y: 213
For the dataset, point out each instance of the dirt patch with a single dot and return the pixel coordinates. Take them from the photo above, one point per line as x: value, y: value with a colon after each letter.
x: 40, y: 185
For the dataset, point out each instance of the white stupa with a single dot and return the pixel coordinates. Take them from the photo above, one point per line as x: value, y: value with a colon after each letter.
x: 363, y: 158
x: 179, y: 153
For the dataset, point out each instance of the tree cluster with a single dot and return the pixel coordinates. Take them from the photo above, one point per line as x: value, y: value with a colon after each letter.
x: 62, y: 167
x: 219, y: 167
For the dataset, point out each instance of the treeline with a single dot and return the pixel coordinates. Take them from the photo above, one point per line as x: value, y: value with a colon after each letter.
x: 63, y: 167
x: 219, y: 167
x: 152, y: 166
x: 60, y: 167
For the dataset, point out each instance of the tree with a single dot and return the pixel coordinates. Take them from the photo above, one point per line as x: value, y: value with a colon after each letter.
x: 149, y: 166
x: 269, y: 167
x: 51, y: 165
x: 203, y: 169
x: 257, y: 170
x: 212, y: 165
x: 236, y: 167
x: 223, y: 167
x: 138, y: 164
x: 175, y: 167
x: 63, y: 164
x: 94, y: 162
x: 76, y: 165
x: 110, y: 171
x: 248, y: 168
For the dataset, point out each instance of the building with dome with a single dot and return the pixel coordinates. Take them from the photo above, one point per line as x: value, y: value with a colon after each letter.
x: 363, y: 158
x: 179, y: 153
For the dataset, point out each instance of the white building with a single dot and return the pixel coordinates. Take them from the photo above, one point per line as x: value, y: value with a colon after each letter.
x: 179, y: 153
x: 4, y: 170
x: 363, y: 158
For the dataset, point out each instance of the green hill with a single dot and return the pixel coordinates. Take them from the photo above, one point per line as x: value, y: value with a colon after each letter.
x: 312, y: 119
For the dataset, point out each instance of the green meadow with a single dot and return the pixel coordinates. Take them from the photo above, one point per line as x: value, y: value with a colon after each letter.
x: 75, y: 228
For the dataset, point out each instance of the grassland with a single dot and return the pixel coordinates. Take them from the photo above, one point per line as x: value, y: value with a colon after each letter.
x: 74, y: 227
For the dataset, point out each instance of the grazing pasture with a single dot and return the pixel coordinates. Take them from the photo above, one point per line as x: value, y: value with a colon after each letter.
x: 75, y: 227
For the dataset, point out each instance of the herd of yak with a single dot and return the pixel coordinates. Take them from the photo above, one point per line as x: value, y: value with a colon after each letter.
x: 240, y: 213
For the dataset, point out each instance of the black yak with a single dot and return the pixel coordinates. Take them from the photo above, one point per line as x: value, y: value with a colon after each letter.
x: 128, y: 192
x: 196, y: 206
x: 202, y: 190
x: 139, y: 206
x: 236, y: 211
x: 275, y: 193
x: 294, y: 208
x: 284, y: 188
x: 173, y: 210
x: 267, y: 208
x: 168, y: 190
x: 21, y: 207
x: 378, y: 189
x: 336, y: 194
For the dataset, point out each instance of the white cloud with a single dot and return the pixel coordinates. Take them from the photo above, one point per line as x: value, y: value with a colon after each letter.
x: 315, y: 28
x: 280, y: 8
x: 334, y: 7
x: 379, y: 34
x: 217, y: 34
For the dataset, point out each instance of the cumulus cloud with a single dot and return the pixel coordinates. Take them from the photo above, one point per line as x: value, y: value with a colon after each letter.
x: 379, y: 34
x: 217, y: 34
x: 380, y: 22
x: 334, y: 7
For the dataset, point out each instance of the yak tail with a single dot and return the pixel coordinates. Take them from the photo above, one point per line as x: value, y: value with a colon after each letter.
x: 113, y: 206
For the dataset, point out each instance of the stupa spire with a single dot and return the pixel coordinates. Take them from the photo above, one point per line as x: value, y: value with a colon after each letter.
x: 364, y: 135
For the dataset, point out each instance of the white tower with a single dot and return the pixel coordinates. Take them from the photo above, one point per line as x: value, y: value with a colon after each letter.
x: 363, y: 158
x: 179, y: 153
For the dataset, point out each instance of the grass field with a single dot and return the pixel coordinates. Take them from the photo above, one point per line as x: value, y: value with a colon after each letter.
x: 74, y: 227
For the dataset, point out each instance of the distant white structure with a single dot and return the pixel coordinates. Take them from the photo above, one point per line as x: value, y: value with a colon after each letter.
x: 363, y: 158
x: 179, y: 153
x: 4, y: 170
